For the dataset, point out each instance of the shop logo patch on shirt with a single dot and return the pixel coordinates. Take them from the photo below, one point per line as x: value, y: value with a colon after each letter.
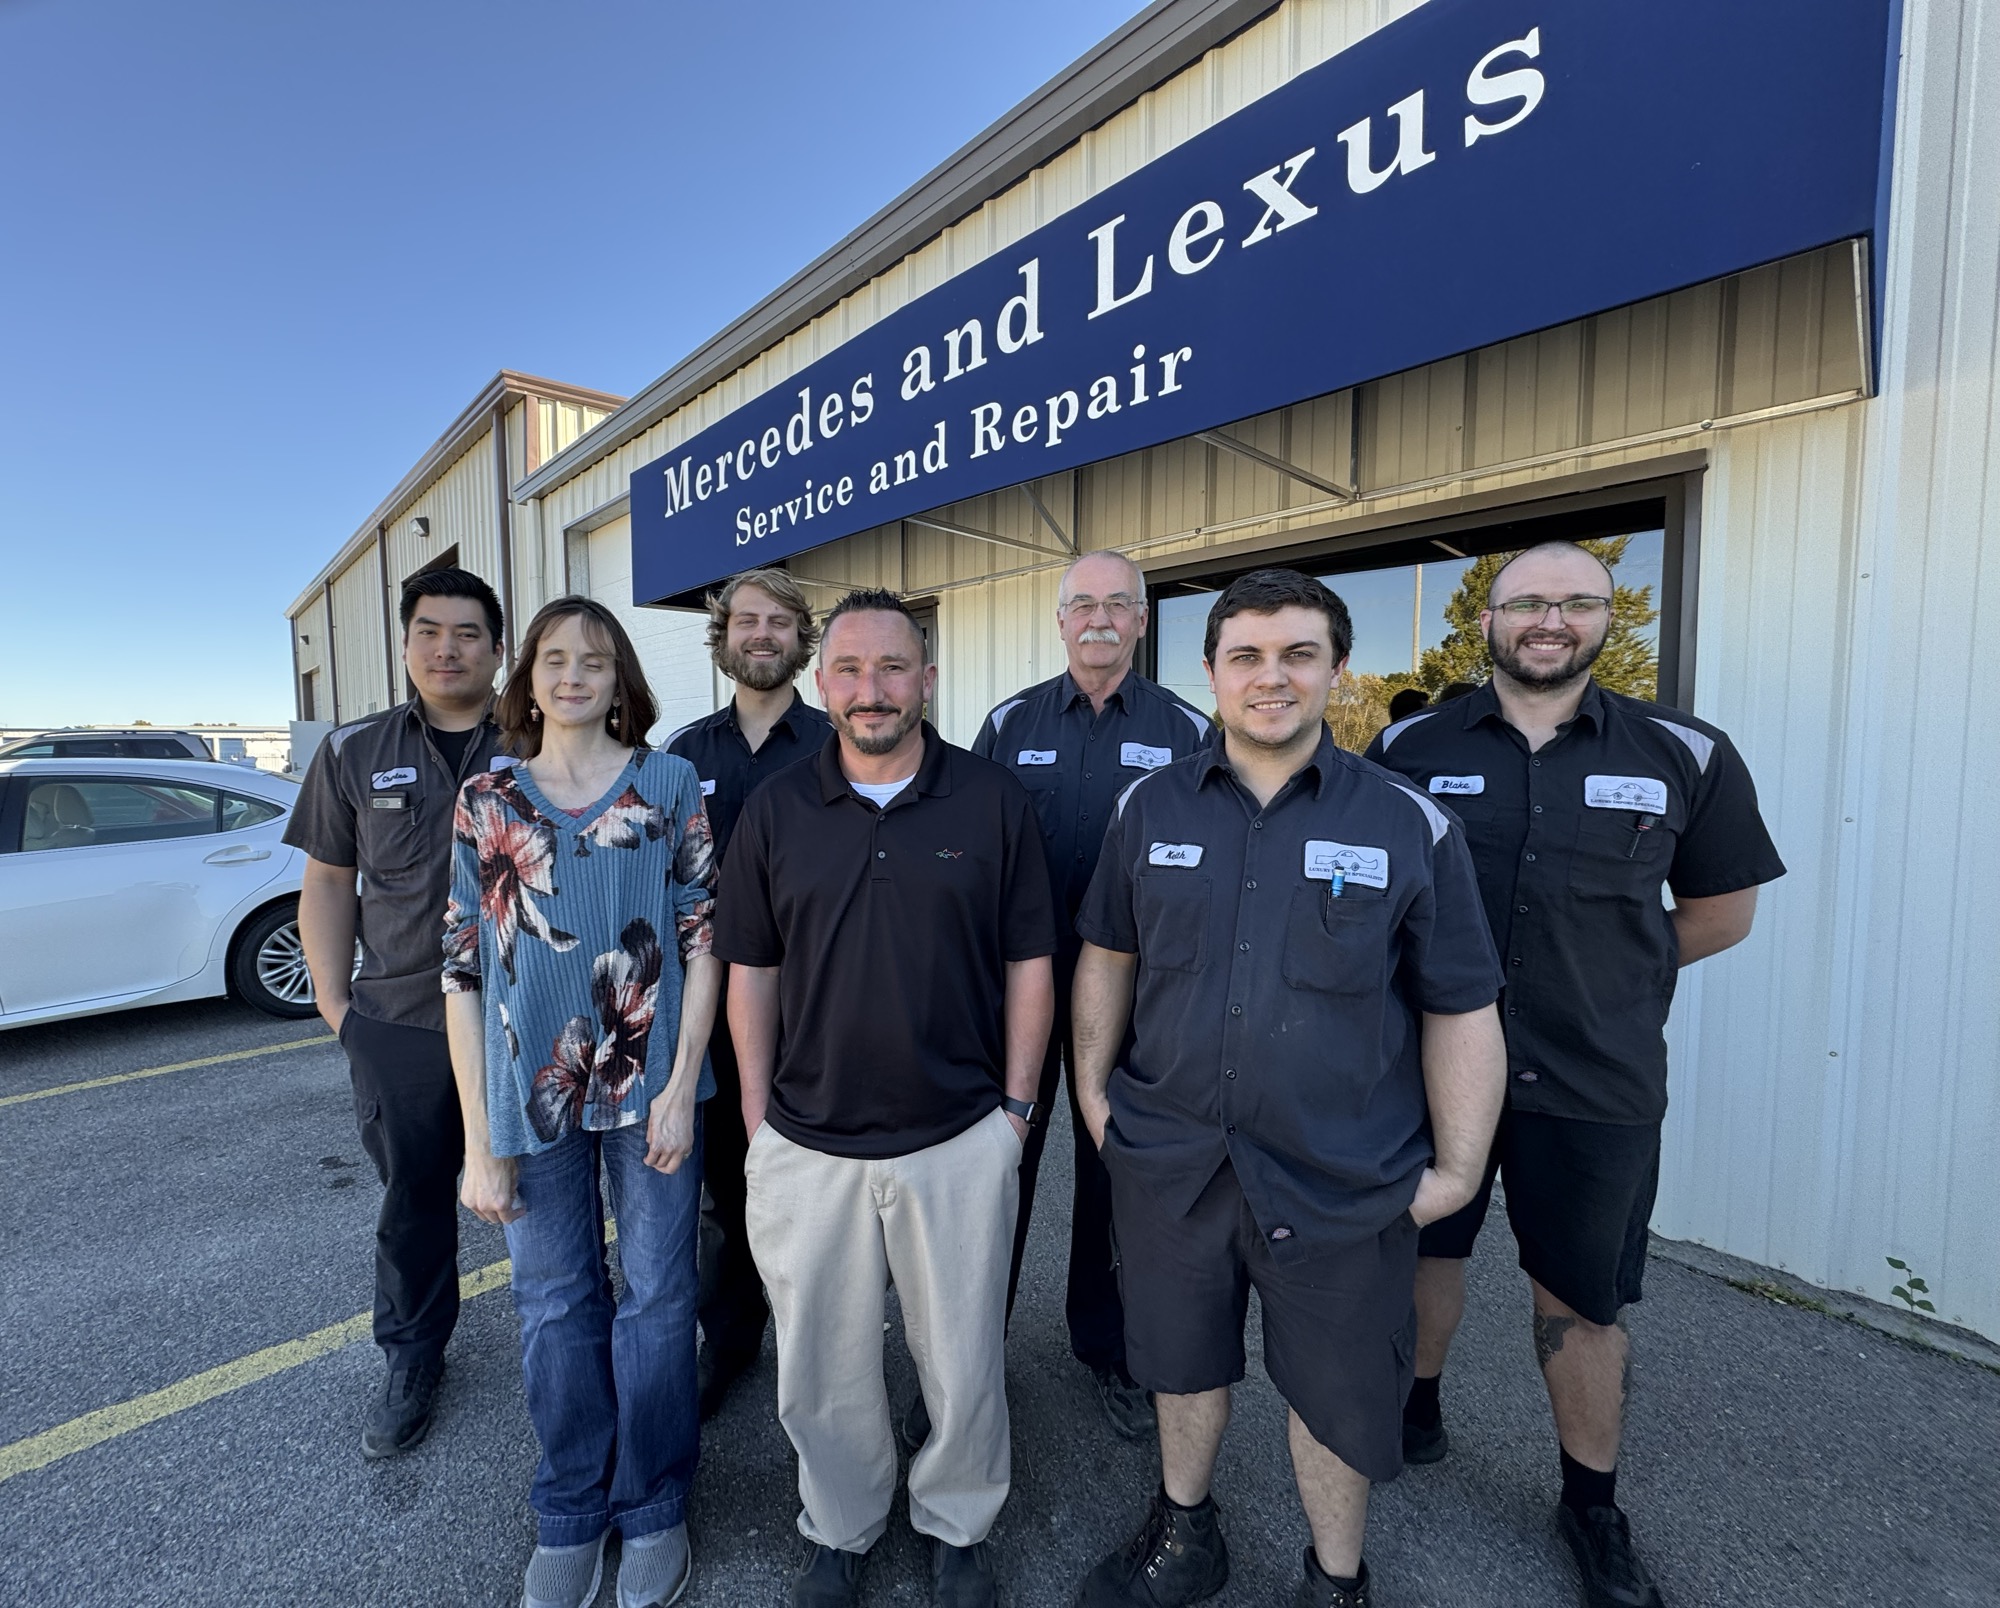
x: 707, y: 787
x: 1458, y: 786
x: 1187, y: 854
x: 401, y: 776
x: 1646, y: 794
x: 1035, y: 756
x: 1145, y: 758
x: 1355, y: 862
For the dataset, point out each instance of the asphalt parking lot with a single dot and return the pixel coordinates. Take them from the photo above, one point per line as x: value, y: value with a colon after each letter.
x: 158, y: 1229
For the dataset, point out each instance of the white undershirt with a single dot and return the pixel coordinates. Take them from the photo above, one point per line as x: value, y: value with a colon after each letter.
x: 879, y: 793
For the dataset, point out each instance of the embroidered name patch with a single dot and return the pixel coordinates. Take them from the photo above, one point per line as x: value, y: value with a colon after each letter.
x: 707, y: 787
x: 388, y: 801
x: 1355, y: 862
x: 1188, y: 854
x: 1458, y: 786
x: 1138, y: 754
x: 399, y: 777
x: 1035, y: 756
x: 1646, y: 794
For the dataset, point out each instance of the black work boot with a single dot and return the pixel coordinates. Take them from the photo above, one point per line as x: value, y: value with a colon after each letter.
x: 830, y: 1578
x: 1177, y: 1557
x: 914, y: 1427
x: 401, y: 1415
x: 1424, y: 1443
x: 1613, y: 1576
x: 961, y: 1577
x: 1317, y: 1590
x: 1129, y: 1409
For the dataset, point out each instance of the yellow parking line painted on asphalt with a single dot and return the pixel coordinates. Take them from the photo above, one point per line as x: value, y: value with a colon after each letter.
x: 162, y: 1071
x: 108, y: 1423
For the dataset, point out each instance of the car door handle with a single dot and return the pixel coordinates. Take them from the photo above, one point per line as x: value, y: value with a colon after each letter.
x: 239, y: 854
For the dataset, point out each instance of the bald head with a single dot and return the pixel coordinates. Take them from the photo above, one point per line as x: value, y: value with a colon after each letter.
x: 1551, y: 570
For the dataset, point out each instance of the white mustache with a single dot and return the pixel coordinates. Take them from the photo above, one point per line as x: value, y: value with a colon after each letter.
x: 1104, y: 635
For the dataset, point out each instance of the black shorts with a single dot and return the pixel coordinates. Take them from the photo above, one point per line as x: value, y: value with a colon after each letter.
x: 1579, y: 1197
x: 1339, y: 1326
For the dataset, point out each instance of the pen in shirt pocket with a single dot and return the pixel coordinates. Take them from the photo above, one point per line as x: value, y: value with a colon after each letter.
x: 1641, y: 824
x: 1334, y: 887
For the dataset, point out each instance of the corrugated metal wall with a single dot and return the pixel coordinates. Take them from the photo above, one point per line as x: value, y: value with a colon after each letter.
x: 357, y: 638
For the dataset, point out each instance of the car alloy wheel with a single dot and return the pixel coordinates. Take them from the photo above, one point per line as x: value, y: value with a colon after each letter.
x: 281, y: 965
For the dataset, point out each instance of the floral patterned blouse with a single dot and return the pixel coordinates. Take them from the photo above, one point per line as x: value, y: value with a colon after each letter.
x: 557, y: 918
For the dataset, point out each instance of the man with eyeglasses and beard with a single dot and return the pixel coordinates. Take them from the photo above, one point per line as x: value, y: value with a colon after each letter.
x: 1076, y: 742
x: 760, y: 635
x: 1579, y: 803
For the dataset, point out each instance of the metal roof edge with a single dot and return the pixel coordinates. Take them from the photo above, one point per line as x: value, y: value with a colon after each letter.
x: 1161, y: 41
x: 506, y: 387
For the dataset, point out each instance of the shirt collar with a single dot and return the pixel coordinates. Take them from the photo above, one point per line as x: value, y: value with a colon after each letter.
x: 788, y: 719
x: 1485, y: 705
x: 413, y: 713
x: 1071, y: 692
x: 1215, y: 760
x: 933, y: 774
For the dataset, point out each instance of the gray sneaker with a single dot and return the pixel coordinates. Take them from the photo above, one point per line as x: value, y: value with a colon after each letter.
x: 565, y: 1577
x: 655, y: 1569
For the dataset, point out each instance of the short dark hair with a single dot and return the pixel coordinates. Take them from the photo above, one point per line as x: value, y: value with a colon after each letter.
x: 1453, y: 690
x: 873, y: 600
x: 1407, y: 702
x: 451, y: 583
x: 632, y: 713
x: 1266, y: 591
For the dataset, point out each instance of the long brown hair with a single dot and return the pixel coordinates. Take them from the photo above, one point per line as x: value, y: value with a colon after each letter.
x: 633, y: 710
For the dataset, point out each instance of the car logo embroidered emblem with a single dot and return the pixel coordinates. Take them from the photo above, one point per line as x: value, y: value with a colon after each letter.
x: 950, y: 854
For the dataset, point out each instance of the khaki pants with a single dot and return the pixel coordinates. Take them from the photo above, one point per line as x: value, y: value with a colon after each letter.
x: 829, y: 1233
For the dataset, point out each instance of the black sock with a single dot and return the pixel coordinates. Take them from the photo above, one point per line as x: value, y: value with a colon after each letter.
x: 1182, y: 1507
x: 1586, y: 1487
x: 1423, y: 1409
x: 1348, y: 1583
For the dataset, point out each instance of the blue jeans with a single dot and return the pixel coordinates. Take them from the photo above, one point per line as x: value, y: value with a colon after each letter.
x: 610, y: 1386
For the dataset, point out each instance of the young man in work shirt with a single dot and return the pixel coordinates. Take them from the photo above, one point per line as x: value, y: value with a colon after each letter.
x: 378, y: 801
x: 1077, y: 742
x: 1314, y: 1071
x: 1579, y: 803
x: 760, y: 635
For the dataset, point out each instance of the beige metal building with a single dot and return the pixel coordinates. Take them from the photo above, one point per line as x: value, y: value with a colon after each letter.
x: 1802, y: 454
x: 453, y: 507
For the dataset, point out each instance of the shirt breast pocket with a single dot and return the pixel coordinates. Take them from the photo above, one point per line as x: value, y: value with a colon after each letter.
x: 391, y: 838
x: 1337, y: 946
x: 1173, y: 910
x: 1046, y: 792
x: 1616, y: 858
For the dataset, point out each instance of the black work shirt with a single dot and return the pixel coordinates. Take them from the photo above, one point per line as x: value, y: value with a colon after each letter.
x: 730, y: 772
x: 891, y: 930
x: 379, y: 796
x: 1075, y: 762
x: 1275, y: 1025
x: 1572, y: 844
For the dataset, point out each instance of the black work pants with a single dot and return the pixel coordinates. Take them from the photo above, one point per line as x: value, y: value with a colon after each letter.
x: 406, y: 1106
x: 732, y: 1309
x: 1095, y: 1312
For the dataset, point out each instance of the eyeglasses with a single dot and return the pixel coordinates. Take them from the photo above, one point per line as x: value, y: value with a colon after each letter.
x: 1537, y: 608
x: 1118, y: 606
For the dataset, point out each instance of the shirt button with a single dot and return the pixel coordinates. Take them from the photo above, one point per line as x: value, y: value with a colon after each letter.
x: 1281, y: 1232
x: 1512, y: 1012
x: 1229, y: 1072
x: 1520, y: 910
x: 1528, y: 1077
x: 1079, y: 859
x: 1230, y: 1129
x: 1251, y: 884
x: 1515, y: 961
x: 1536, y: 763
x: 1256, y: 826
x: 1244, y: 947
x: 1236, y: 1010
x: 1538, y: 809
x: 1531, y: 856
x: 881, y: 854
x: 1088, y: 776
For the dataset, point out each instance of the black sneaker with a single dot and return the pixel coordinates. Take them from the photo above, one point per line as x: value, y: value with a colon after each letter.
x: 914, y: 1427
x: 715, y: 1373
x: 1129, y: 1408
x: 401, y: 1416
x: 1424, y: 1443
x: 961, y: 1577
x: 1613, y: 1576
x: 1177, y: 1557
x: 829, y: 1578
x: 1317, y: 1590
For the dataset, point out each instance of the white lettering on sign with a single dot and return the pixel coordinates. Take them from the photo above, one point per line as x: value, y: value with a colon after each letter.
x: 1645, y: 794
x: 1355, y: 862
x: 1187, y: 854
x: 399, y: 777
x: 1461, y: 786
x: 1035, y: 756
x: 1138, y: 754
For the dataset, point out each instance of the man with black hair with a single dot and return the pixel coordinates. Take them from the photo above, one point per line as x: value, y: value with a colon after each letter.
x: 377, y: 805
x: 1313, y: 1069
x: 1580, y: 804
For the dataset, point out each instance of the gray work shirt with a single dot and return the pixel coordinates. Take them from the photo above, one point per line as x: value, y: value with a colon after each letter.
x: 379, y: 797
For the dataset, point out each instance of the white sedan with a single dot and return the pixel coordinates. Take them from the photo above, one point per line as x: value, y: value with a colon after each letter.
x: 130, y: 882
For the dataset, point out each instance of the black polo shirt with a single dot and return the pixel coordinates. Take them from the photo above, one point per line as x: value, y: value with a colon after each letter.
x: 730, y: 772
x: 1572, y: 844
x: 379, y: 796
x: 891, y: 929
x: 1276, y: 1025
x: 1075, y: 762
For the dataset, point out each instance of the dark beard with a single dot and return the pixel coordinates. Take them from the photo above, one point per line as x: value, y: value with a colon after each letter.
x: 1546, y: 678
x: 759, y: 675
x: 884, y: 743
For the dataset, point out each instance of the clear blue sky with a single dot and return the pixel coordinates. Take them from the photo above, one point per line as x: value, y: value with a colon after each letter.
x: 254, y: 258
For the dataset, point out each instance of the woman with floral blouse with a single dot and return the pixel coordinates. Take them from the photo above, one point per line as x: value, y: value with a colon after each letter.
x: 580, y: 994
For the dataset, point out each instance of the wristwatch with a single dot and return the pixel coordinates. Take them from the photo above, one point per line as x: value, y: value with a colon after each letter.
x: 1024, y: 1109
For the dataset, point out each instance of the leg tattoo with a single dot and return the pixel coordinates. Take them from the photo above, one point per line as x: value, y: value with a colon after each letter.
x: 1550, y: 1331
